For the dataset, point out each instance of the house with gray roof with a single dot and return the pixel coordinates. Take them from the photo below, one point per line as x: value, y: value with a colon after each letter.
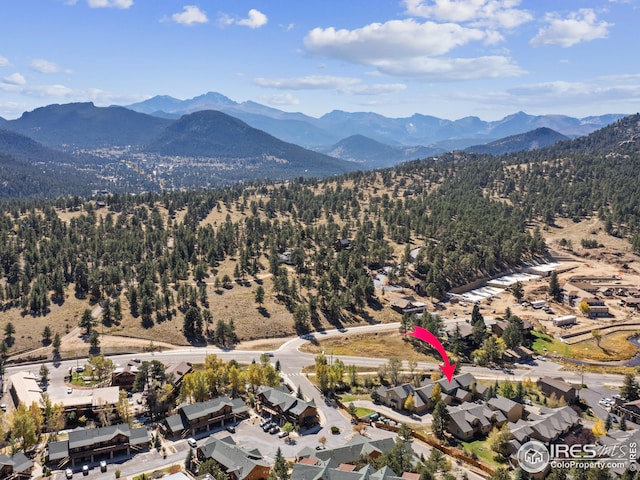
x: 303, y: 471
x: 279, y: 403
x: 548, y: 426
x: 340, y: 463
x: 237, y: 462
x: 471, y: 420
x: 203, y: 416
x: 176, y: 372
x: 17, y: 465
x: 461, y: 388
x: 93, y: 444
x: 512, y: 410
x: 559, y: 388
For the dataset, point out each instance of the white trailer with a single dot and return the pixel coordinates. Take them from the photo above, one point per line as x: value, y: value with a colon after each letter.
x: 538, y: 303
x: 564, y: 321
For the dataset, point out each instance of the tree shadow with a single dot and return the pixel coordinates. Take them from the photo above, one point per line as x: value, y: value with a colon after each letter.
x: 264, y: 312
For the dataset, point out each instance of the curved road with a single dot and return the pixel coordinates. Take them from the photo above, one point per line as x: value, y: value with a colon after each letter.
x: 292, y: 361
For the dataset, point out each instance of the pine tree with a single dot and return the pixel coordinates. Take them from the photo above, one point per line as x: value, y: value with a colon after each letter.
x: 630, y: 390
x: 280, y: 468
x: 554, y: 287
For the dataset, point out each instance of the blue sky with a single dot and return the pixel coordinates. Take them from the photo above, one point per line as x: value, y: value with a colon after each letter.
x: 448, y: 58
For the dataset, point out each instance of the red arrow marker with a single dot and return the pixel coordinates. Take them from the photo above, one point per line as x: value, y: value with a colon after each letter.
x: 426, y: 336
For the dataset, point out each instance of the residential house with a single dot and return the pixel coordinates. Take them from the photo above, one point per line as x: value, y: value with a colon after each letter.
x: 340, y: 463
x: 17, y: 465
x: 237, y: 462
x: 279, y: 403
x: 558, y: 387
x: 519, y: 354
x: 628, y: 410
x: 395, y: 397
x: 342, y: 244
x: 547, y: 426
x: 498, y: 327
x: 408, y: 305
x: 93, y: 444
x: 462, y: 388
x: 176, y: 372
x: 614, y: 443
x: 124, y: 377
x: 203, y: 416
x: 512, y: 410
x: 471, y: 420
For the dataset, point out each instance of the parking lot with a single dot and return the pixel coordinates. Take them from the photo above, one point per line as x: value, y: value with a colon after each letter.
x: 250, y: 435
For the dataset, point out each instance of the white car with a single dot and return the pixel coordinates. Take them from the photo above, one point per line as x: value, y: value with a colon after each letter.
x: 68, y: 473
x: 192, y: 442
x: 69, y: 389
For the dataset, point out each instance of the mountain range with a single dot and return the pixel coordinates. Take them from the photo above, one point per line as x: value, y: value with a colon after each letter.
x: 120, y: 149
x: 416, y: 130
x: 538, y: 138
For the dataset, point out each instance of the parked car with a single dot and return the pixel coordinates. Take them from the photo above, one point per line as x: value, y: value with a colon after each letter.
x: 273, y: 430
x: 192, y: 442
x: 103, y: 466
x: 283, y: 434
x: 3, y: 407
x: 231, y: 429
x: 85, y: 470
x: 68, y: 473
x: 69, y: 389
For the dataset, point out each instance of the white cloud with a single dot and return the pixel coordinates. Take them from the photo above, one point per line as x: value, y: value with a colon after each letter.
x: 495, y: 13
x: 123, y: 4
x: 256, y: 19
x: 311, y: 82
x: 391, y: 40
x: 45, y: 66
x: 4, y: 61
x: 446, y: 69
x: 190, y: 16
x: 14, y: 79
x: 580, y: 26
x: 407, y: 48
x: 280, y: 99
x: 347, y: 85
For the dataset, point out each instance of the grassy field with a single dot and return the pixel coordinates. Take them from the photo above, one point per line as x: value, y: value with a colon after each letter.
x: 381, y: 345
x: 612, y: 347
x: 482, y: 451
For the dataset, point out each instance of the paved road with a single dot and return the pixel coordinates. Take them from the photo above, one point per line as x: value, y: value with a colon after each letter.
x: 292, y: 362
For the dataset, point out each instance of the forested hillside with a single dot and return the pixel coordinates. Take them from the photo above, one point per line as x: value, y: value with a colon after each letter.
x: 597, y: 174
x: 157, y: 259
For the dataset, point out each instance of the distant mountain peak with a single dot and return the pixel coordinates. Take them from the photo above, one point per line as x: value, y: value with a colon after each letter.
x: 213, y: 97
